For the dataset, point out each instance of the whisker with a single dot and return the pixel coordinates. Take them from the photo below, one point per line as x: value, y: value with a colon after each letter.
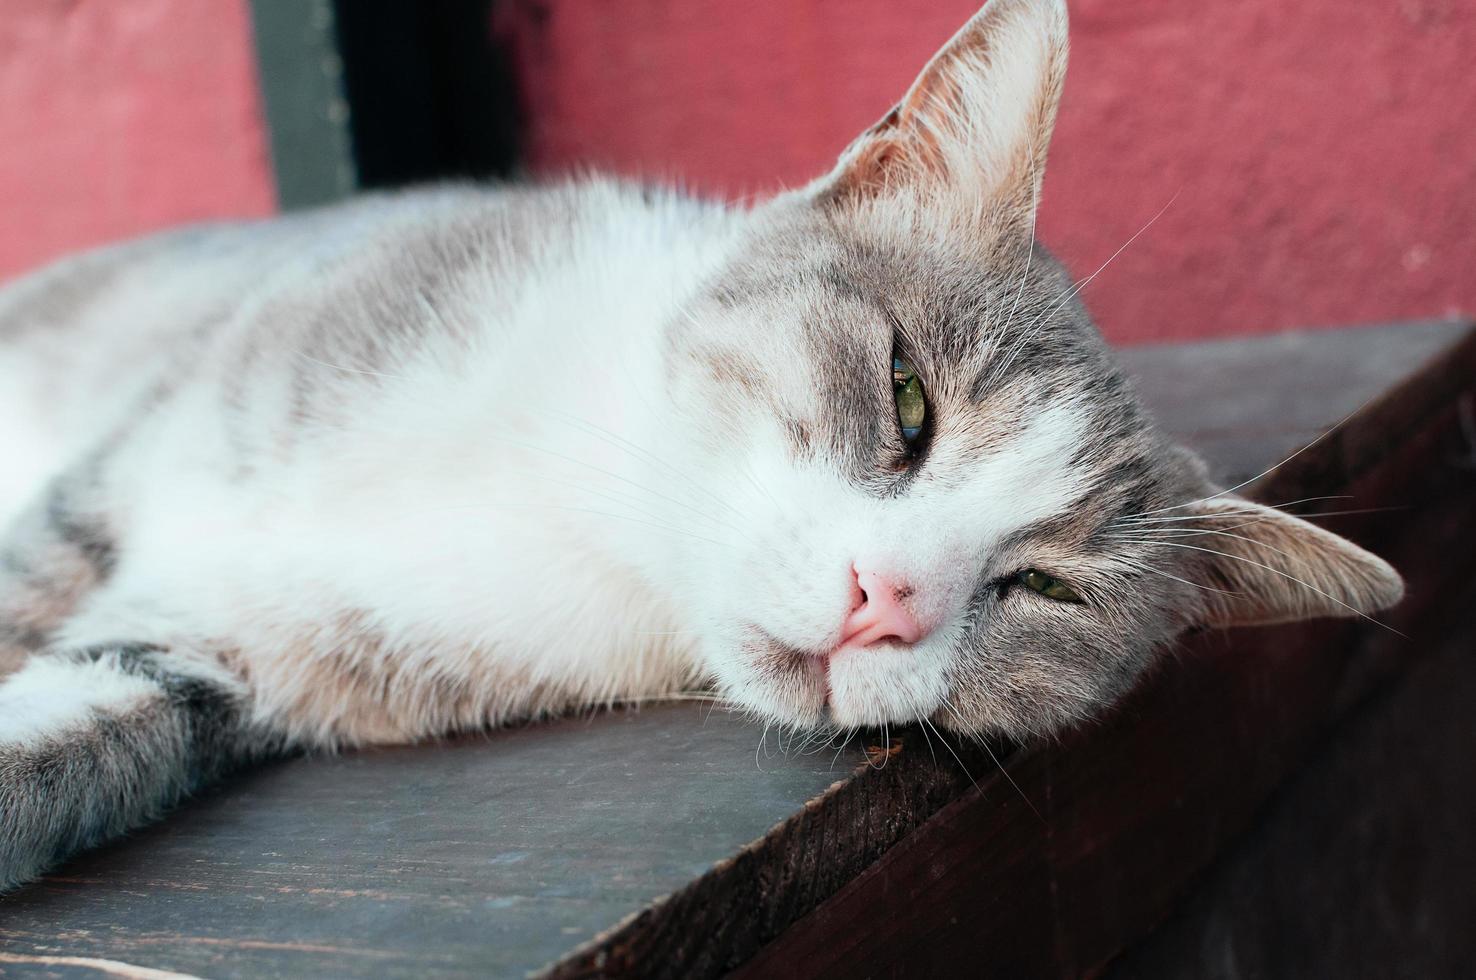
x: 487, y: 512
x: 1024, y: 273
x: 944, y: 739
x: 1141, y: 518
x: 980, y: 739
x: 617, y: 476
x: 850, y: 734
x: 704, y: 697
x: 349, y: 370
x: 1266, y: 472
x: 1254, y: 519
x: 1029, y: 330
x: 1006, y: 773
x: 886, y: 746
x: 618, y: 497
x: 1223, y: 534
x: 633, y: 449
x: 1158, y: 571
x: 762, y: 744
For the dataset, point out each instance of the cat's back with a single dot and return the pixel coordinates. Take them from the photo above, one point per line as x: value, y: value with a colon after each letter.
x: 161, y: 282
x: 91, y: 338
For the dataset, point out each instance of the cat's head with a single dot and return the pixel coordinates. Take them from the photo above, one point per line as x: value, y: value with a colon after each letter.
x: 942, y: 498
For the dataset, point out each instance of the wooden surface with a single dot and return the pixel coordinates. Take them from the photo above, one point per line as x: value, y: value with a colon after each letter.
x: 483, y: 856
x: 661, y: 842
x: 1364, y: 863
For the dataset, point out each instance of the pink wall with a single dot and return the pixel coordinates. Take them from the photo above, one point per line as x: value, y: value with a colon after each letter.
x: 1323, y: 152
x: 122, y: 116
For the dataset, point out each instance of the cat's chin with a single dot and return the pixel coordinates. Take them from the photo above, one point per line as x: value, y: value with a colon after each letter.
x: 778, y: 681
x: 846, y: 688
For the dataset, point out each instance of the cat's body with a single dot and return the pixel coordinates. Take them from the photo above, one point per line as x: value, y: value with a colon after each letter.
x: 433, y: 461
x: 337, y: 503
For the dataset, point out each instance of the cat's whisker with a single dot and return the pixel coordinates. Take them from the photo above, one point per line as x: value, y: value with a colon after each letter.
x: 1024, y: 273
x: 850, y: 733
x: 623, y: 498
x: 1030, y: 329
x: 758, y: 485
x: 701, y: 695
x: 922, y: 722
x: 616, y: 476
x: 1003, y: 771
x: 1006, y: 773
x: 762, y: 745
x: 1254, y: 519
x: 613, y: 496
x: 823, y: 738
x: 619, y: 442
x: 1143, y: 566
x: 1270, y: 469
x: 1163, y: 538
x: 942, y: 737
x: 349, y: 370
x: 678, y: 532
x: 488, y: 513
x: 1142, y: 518
x: 1167, y: 533
x: 1357, y: 510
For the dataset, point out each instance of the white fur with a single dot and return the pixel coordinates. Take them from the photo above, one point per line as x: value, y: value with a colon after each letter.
x: 48, y: 698
x: 445, y: 496
x: 31, y: 457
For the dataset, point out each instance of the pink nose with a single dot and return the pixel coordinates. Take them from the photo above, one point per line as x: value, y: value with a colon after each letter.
x: 880, y: 615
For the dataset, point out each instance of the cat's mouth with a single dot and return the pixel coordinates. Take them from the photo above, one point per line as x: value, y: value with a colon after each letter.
x: 845, y: 686
x: 794, y: 682
x: 833, y: 687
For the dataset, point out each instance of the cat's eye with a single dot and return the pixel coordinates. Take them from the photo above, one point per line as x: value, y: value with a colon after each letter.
x: 907, y: 391
x: 1052, y: 588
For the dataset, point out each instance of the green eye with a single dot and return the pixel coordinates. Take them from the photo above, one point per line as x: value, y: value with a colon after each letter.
x: 1052, y: 588
x: 912, y: 407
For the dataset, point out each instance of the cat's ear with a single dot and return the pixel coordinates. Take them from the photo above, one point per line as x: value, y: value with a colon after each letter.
x: 972, y: 131
x: 1270, y: 567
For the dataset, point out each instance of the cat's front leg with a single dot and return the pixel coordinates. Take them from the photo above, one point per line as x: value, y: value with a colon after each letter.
x: 94, y: 742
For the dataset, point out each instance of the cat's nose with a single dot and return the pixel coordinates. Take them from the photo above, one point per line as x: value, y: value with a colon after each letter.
x: 880, y: 613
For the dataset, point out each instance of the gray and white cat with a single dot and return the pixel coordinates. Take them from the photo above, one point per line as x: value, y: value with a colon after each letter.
x: 434, y: 461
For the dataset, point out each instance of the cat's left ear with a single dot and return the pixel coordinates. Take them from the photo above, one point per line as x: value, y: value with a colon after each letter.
x: 971, y: 134
x: 1266, y: 566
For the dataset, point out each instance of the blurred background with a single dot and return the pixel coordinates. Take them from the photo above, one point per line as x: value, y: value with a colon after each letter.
x: 1320, y: 155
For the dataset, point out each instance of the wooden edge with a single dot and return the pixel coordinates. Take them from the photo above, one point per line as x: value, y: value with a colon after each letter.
x: 1067, y: 834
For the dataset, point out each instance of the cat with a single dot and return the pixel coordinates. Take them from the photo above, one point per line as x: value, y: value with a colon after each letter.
x: 437, y: 460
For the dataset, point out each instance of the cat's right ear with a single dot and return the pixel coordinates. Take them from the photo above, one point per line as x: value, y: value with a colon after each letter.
x: 971, y: 134
x: 1265, y: 566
